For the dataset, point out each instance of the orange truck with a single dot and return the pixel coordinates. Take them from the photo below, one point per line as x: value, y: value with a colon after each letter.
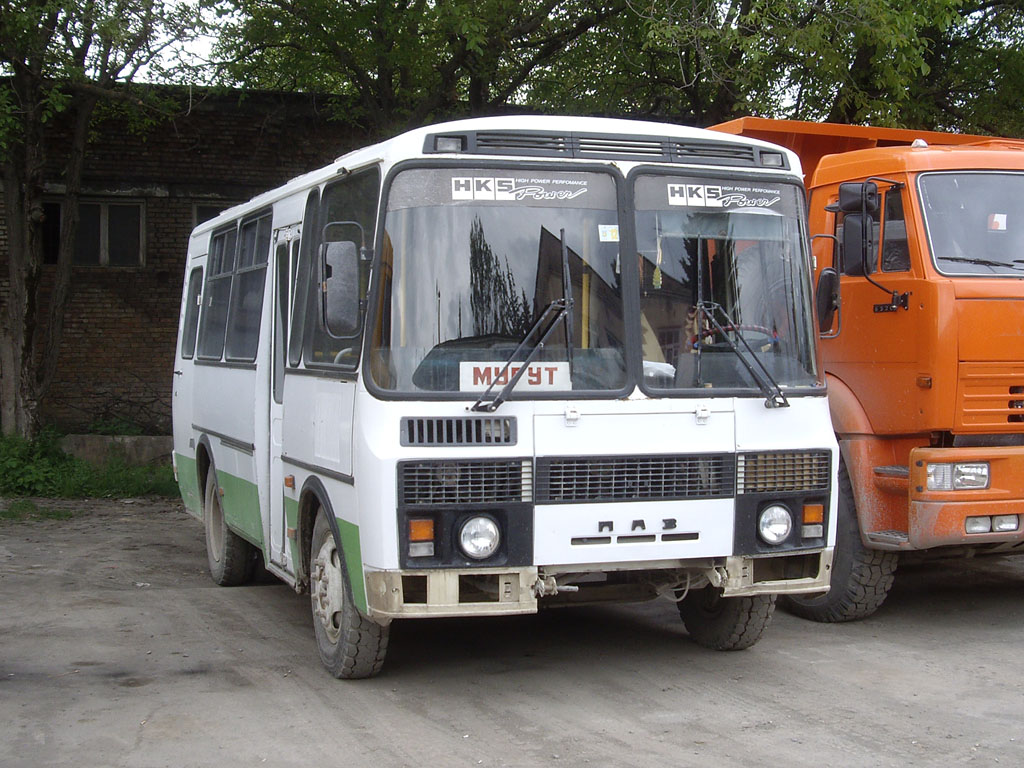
x: 919, y: 251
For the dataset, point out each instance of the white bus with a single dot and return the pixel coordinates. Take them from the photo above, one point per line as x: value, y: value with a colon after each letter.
x: 507, y: 362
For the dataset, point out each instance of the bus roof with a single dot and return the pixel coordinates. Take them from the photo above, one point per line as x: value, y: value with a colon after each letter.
x: 548, y: 137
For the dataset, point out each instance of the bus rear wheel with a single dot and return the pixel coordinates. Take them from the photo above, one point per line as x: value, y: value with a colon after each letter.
x: 231, y: 558
x: 350, y: 645
x: 725, y: 623
x: 861, y: 578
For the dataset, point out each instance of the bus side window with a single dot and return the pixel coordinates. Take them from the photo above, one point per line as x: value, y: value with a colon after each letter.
x: 353, y: 199
x: 191, y: 325
x: 895, y: 251
x: 301, y: 275
x: 219, y: 271
x: 246, y: 310
x: 280, y: 318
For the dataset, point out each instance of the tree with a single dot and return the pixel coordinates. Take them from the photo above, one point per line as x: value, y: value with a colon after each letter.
x: 935, y: 64
x: 401, y: 63
x: 60, y: 61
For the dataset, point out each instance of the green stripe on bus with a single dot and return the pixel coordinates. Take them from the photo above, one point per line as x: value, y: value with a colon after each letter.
x: 353, y: 562
x: 188, y: 484
x: 241, y: 504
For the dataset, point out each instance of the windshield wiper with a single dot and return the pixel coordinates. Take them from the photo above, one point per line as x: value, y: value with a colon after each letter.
x: 1015, y: 264
x: 774, y: 396
x: 560, y: 308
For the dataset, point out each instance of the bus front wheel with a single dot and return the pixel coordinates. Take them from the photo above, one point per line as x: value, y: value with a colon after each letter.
x: 351, y: 646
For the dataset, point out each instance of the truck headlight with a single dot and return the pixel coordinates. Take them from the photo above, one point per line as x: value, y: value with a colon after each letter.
x: 958, y: 477
x: 774, y: 524
x: 479, y: 537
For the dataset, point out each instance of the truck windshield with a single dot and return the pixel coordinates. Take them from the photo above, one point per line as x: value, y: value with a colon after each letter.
x: 738, y: 247
x: 471, y: 258
x: 975, y: 222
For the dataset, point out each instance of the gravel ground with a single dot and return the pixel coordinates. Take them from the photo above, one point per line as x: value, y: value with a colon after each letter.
x: 116, y: 649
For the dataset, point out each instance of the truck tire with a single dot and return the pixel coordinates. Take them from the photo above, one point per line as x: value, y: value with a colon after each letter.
x: 231, y: 558
x: 725, y: 623
x: 350, y: 645
x: 861, y: 577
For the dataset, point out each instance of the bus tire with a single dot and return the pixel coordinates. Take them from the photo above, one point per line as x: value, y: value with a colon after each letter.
x: 725, y: 623
x: 350, y: 645
x: 861, y: 578
x: 231, y: 557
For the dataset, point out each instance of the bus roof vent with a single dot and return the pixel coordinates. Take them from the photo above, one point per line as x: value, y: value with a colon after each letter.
x: 458, y: 430
x: 583, y: 146
x: 714, y: 152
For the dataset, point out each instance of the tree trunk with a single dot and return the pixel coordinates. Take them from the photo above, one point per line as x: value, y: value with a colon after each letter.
x: 30, y: 341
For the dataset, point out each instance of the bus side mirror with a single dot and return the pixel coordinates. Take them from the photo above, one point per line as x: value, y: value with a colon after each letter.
x: 858, y: 197
x: 826, y: 298
x: 858, y: 244
x: 340, y: 288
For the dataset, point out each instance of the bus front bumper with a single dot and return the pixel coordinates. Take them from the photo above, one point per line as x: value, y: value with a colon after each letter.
x: 499, y: 591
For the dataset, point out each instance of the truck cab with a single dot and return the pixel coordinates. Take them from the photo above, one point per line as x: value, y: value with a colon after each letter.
x: 921, y: 305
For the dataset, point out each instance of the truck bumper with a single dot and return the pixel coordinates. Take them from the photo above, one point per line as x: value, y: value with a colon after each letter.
x: 939, y: 518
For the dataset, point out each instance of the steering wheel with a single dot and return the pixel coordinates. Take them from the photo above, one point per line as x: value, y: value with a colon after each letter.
x: 768, y: 333
x: 343, y: 353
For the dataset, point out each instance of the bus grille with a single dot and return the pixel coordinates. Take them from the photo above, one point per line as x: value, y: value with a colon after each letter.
x: 458, y: 430
x: 776, y: 472
x: 486, y: 481
x: 634, y: 478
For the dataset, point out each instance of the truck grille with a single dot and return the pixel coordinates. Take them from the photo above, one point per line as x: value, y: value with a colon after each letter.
x: 990, y: 397
x: 485, y: 481
x: 634, y: 478
x: 777, y: 472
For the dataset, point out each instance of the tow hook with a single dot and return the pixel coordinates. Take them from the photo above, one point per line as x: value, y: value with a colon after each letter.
x: 716, y: 576
x: 547, y: 586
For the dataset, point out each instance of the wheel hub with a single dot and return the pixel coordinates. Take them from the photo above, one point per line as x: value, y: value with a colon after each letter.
x: 327, y: 589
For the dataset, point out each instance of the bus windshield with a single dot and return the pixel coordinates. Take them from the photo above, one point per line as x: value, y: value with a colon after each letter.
x: 472, y: 258
x: 724, y: 284
x: 974, y: 222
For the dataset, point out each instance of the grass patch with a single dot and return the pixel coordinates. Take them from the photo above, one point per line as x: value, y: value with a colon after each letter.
x: 23, y: 509
x: 40, y: 468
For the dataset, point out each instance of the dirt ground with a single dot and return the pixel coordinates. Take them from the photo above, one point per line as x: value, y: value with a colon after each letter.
x: 116, y: 649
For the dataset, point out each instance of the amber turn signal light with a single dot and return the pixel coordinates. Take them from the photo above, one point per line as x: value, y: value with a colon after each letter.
x: 814, y: 513
x: 421, y: 530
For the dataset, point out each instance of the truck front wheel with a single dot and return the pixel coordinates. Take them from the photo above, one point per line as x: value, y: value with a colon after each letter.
x: 725, y: 623
x: 861, y: 577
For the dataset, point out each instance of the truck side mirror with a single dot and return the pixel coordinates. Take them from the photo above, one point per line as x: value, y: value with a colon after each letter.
x: 858, y: 197
x: 858, y: 244
x: 826, y: 297
x: 339, y: 295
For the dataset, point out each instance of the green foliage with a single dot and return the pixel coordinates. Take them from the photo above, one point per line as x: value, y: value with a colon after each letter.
x: 40, y: 468
x: 944, y: 64
x: 22, y: 509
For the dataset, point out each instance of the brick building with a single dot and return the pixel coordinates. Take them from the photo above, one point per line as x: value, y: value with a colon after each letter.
x: 142, y: 192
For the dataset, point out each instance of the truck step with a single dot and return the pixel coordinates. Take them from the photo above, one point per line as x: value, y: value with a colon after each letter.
x: 888, y: 537
x: 893, y: 470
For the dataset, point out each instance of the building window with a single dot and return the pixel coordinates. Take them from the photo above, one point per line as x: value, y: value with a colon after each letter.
x: 202, y: 212
x: 110, y: 233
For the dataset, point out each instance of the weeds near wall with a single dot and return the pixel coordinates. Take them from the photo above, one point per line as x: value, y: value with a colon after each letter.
x: 40, y: 468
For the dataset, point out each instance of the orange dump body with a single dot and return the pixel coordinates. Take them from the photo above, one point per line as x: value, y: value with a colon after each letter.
x: 940, y: 381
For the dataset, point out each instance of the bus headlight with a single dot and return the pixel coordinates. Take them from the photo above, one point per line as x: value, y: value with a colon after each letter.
x: 479, y: 537
x: 957, y: 477
x: 774, y: 524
